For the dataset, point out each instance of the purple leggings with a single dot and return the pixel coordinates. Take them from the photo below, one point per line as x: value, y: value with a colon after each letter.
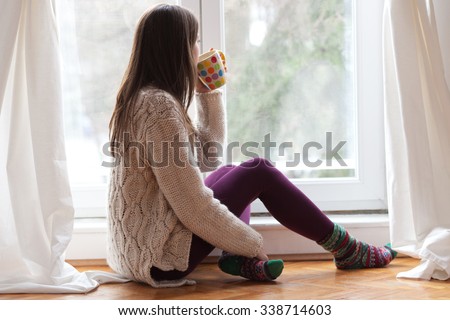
x: 237, y: 187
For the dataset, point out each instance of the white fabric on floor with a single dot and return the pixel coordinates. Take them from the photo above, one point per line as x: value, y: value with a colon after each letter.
x: 417, y: 106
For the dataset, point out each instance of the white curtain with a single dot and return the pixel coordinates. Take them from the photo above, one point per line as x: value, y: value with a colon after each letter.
x: 417, y: 109
x: 36, y: 213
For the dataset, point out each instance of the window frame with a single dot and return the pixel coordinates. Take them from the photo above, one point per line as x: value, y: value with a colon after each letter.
x: 367, y: 191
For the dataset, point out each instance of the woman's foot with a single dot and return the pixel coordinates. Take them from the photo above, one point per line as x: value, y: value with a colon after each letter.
x: 250, y: 268
x: 350, y: 253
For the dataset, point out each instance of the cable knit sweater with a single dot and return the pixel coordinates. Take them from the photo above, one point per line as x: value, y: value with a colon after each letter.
x: 155, y: 208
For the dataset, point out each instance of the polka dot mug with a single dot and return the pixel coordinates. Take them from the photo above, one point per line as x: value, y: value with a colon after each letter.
x: 211, y: 69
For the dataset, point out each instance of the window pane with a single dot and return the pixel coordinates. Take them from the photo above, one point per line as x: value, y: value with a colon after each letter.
x: 96, y: 39
x: 290, y: 71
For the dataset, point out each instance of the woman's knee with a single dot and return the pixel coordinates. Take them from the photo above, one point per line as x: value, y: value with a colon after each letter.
x: 261, y: 168
x: 257, y: 162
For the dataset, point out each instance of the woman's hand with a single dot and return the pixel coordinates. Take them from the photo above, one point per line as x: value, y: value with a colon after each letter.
x: 200, y: 87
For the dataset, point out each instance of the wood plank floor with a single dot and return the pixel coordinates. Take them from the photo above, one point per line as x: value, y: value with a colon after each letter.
x: 300, y: 280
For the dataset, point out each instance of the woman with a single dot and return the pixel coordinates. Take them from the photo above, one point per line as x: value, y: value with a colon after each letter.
x: 164, y: 218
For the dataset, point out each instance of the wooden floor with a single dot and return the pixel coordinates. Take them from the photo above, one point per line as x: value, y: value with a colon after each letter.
x: 300, y: 280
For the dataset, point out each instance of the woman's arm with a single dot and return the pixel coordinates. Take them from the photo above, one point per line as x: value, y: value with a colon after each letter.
x: 211, y: 125
x: 183, y: 187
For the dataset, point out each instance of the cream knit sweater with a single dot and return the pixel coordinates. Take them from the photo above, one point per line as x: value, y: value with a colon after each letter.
x: 154, y: 209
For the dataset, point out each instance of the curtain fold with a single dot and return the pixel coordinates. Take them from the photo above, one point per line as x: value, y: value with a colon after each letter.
x: 417, y: 111
x: 36, y: 212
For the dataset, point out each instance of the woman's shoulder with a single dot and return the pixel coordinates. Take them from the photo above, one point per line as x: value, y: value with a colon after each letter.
x: 156, y: 96
x: 158, y: 103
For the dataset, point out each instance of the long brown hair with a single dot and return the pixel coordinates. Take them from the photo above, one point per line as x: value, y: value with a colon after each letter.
x: 161, y: 56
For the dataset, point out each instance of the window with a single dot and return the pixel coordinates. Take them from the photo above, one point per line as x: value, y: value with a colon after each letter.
x: 292, y: 73
x: 305, y: 72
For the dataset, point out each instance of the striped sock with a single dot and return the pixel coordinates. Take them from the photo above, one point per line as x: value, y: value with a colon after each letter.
x: 250, y: 268
x: 350, y: 253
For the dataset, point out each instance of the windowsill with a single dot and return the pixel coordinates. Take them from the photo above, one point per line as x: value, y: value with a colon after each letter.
x: 346, y: 220
x: 89, y: 235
